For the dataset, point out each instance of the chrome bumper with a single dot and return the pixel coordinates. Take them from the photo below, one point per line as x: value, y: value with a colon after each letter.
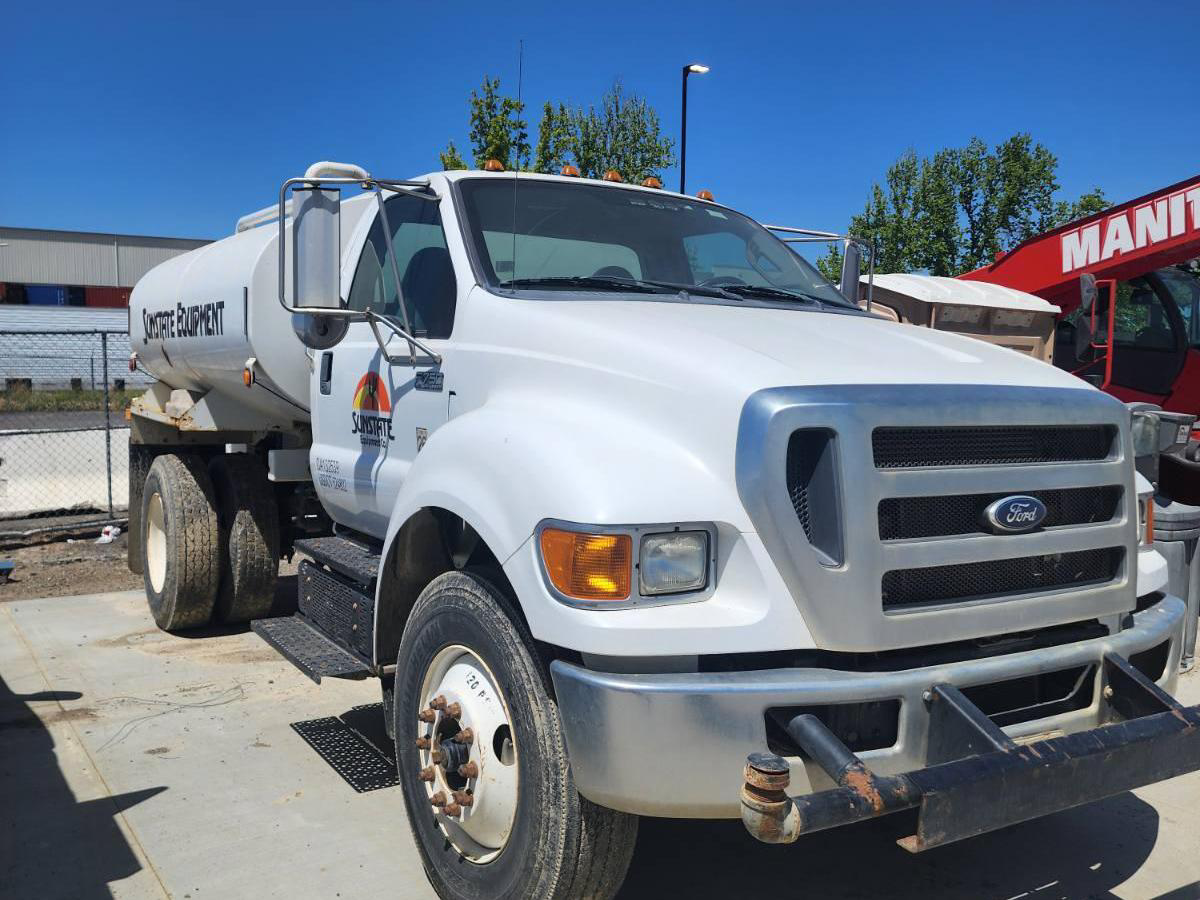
x: 618, y: 727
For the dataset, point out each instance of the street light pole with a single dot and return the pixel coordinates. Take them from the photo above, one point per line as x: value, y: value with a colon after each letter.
x: 689, y: 69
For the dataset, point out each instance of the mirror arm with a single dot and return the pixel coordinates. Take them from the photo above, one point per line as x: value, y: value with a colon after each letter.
x: 387, y: 237
x: 374, y: 319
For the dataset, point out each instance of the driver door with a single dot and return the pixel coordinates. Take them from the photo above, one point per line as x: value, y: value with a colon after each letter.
x: 370, y: 417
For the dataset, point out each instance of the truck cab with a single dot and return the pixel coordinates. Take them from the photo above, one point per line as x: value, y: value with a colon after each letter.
x: 578, y: 465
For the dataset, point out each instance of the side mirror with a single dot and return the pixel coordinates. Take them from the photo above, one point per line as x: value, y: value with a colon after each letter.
x: 1087, y: 292
x: 851, y: 271
x: 316, y: 248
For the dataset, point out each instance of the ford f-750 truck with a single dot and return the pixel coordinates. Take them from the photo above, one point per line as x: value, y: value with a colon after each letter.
x: 632, y: 514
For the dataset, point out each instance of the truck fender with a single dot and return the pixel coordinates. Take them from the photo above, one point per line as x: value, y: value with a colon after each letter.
x: 505, y: 467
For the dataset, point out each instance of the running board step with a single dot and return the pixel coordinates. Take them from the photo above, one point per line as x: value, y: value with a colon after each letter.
x: 308, y: 650
x: 355, y: 560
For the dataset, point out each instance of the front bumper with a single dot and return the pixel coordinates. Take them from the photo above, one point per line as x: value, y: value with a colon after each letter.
x: 675, y: 744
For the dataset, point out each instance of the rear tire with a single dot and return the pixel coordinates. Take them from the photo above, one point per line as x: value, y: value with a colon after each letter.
x: 140, y: 458
x: 181, y: 542
x: 463, y: 631
x: 249, y: 523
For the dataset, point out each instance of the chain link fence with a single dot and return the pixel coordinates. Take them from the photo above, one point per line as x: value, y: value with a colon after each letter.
x: 64, y: 461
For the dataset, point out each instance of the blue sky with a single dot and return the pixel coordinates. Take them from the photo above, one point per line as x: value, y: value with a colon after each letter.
x: 176, y: 118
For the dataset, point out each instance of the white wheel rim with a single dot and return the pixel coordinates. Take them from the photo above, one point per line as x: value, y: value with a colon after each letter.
x: 156, y: 542
x: 480, y: 831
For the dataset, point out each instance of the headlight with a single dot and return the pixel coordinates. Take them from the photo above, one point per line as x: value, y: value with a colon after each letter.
x: 594, y: 566
x: 1144, y: 427
x: 673, y: 563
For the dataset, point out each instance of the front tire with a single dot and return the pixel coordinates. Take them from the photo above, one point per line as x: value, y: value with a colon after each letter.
x: 181, y: 542
x: 465, y: 646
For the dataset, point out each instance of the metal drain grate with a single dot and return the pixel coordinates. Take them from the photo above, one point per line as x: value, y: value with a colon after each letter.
x: 362, y: 766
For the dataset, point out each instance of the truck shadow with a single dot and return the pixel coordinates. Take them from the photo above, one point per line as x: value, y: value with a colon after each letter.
x: 1079, y: 853
x: 52, y: 845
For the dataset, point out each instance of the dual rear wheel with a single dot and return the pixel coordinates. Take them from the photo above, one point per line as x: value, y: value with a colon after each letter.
x: 209, y: 536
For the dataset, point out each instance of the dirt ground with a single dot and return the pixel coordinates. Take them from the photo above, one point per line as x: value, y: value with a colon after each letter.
x: 68, y: 568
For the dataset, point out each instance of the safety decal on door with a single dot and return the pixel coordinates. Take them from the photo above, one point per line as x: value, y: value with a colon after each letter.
x: 372, y: 412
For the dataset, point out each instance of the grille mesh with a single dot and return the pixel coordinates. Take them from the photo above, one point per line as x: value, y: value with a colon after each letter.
x: 989, y: 445
x: 903, y: 518
x: 999, y: 577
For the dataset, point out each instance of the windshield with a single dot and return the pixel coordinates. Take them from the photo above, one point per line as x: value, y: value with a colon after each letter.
x: 588, y: 237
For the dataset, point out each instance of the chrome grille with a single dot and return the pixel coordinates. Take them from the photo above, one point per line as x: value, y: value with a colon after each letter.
x: 907, y: 448
x: 907, y: 518
x: 906, y: 588
x: 913, y: 468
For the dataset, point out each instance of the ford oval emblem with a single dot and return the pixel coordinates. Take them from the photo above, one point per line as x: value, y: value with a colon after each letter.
x: 1015, y: 515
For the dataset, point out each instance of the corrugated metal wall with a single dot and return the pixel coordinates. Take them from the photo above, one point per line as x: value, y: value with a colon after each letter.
x: 35, y: 256
x: 62, y: 318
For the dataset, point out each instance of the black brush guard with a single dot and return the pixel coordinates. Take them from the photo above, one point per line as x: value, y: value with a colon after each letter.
x: 978, y: 779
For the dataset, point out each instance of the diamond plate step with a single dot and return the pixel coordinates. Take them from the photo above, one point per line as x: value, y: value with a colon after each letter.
x: 308, y: 650
x: 357, y: 561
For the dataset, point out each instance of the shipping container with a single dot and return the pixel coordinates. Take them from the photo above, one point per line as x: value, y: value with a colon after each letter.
x: 112, y: 297
x: 46, y: 294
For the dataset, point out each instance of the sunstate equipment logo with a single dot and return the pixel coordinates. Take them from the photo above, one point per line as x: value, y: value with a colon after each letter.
x: 372, y: 412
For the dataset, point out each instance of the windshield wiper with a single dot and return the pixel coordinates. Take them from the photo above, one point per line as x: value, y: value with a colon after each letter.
x: 774, y: 293
x: 585, y: 281
x: 600, y: 282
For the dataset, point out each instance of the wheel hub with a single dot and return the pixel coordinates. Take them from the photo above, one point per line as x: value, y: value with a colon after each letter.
x: 466, y: 754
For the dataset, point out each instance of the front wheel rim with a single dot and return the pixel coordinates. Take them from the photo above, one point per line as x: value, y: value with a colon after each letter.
x: 156, y: 543
x: 467, y: 754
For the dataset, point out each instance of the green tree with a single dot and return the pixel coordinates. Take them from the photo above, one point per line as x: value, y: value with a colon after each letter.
x: 451, y: 158
x: 556, y: 139
x: 623, y: 134
x: 498, y: 130
x: 956, y: 210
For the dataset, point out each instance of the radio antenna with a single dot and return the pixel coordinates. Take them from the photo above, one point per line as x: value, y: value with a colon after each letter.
x: 516, y: 152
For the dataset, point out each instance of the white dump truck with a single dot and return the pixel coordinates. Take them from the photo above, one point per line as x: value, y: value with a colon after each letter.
x: 632, y: 514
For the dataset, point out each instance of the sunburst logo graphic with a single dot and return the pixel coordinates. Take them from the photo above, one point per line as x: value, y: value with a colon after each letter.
x: 371, y: 412
x: 371, y: 394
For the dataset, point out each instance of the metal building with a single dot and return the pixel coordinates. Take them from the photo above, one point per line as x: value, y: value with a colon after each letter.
x: 40, y: 267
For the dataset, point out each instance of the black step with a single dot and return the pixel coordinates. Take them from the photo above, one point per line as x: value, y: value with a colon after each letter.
x: 356, y: 560
x: 337, y: 607
x: 308, y: 650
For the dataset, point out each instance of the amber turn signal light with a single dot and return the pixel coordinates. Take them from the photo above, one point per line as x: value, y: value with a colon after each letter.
x: 588, y: 566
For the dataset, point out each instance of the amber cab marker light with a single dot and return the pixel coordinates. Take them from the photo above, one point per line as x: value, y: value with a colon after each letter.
x: 493, y: 165
x: 705, y: 195
x: 570, y: 171
x: 652, y: 182
x: 588, y: 566
x: 613, y: 175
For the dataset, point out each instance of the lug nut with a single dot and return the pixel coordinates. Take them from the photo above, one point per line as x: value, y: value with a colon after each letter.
x: 438, y: 799
x: 438, y: 702
x: 427, y: 715
x: 462, y: 798
x: 465, y: 736
x: 452, y: 809
x: 438, y: 756
x: 453, y: 711
x: 426, y: 774
x: 468, y: 770
x: 422, y: 743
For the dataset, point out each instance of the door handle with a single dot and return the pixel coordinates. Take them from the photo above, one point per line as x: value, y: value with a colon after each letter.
x: 327, y: 372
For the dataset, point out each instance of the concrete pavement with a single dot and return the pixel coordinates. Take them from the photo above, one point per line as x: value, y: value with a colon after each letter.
x: 135, y: 764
